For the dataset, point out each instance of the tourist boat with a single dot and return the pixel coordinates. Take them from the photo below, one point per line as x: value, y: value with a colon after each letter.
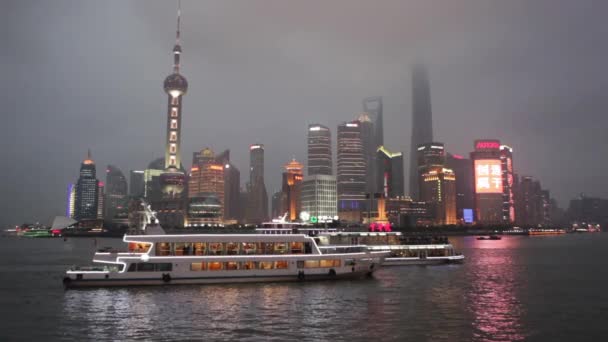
x: 546, y: 231
x: 161, y: 259
x: 425, y: 251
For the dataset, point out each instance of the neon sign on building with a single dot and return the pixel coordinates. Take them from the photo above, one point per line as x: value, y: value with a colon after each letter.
x: 488, y: 176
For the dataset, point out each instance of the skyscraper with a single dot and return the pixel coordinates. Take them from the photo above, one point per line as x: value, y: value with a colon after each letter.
x: 508, y: 198
x: 257, y: 200
x: 319, y: 150
x: 319, y: 197
x: 207, y: 177
x: 389, y: 179
x: 488, y: 182
x: 368, y: 142
x: 100, y: 200
x: 87, y: 200
x: 232, y: 187
x: 351, y: 176
x: 137, y: 183
x: 373, y: 107
x: 463, y: 170
x: 422, y: 120
x: 291, y: 189
x: 116, y: 199
x: 438, y: 190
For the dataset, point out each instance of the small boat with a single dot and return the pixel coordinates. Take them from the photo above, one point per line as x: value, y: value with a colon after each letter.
x: 491, y: 237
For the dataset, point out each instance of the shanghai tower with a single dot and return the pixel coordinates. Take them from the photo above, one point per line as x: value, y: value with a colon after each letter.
x: 422, y: 121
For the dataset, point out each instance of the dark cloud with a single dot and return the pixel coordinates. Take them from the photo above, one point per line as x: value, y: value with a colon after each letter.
x: 80, y: 74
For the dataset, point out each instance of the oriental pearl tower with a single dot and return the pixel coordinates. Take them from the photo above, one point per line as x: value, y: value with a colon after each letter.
x: 173, y: 179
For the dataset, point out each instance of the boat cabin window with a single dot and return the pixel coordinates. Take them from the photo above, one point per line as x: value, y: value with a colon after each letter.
x: 139, y: 247
x: 231, y: 248
x: 322, y: 263
x: 297, y: 247
x: 215, y: 248
x: 150, y: 267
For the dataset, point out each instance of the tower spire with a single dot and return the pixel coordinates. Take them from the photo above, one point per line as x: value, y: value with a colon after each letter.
x: 177, y: 49
x: 179, y: 14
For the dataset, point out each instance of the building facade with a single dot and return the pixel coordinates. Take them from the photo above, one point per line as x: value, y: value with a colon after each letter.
x: 389, y: 177
x: 351, y: 175
x: 116, y: 197
x: 508, y: 196
x: 257, y: 199
x: 137, y: 184
x: 438, y: 190
x: 319, y: 150
x: 87, y: 191
x: 463, y: 170
x: 320, y: 197
x: 291, y: 190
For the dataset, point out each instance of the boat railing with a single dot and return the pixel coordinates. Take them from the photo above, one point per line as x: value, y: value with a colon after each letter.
x: 336, y: 249
x: 104, y: 268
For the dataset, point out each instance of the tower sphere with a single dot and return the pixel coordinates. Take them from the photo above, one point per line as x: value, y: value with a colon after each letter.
x: 175, y: 85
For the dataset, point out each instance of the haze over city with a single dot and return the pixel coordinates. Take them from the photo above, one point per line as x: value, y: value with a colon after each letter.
x: 80, y: 75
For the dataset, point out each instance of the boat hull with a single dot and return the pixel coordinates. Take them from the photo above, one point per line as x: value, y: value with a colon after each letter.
x: 70, y: 282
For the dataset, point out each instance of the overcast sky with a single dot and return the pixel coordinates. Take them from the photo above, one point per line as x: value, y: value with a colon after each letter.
x: 88, y: 74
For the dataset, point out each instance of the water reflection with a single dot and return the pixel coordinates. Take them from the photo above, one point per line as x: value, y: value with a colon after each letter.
x: 495, y: 278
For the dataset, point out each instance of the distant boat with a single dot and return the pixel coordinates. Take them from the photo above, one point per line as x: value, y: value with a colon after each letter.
x: 491, y: 237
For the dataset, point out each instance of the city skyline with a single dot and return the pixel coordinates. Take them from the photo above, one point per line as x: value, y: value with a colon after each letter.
x: 134, y: 119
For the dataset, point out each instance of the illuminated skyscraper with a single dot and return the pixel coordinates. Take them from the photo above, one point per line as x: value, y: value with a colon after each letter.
x: 257, y: 200
x: 116, y: 199
x: 87, y: 199
x: 422, y: 121
x: 351, y: 176
x: 389, y: 180
x: 291, y: 190
x: 207, y: 176
x: 438, y: 190
x: 319, y: 150
x: 487, y: 168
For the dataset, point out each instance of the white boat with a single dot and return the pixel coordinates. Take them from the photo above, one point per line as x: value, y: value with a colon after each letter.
x: 220, y: 258
x: 400, y: 254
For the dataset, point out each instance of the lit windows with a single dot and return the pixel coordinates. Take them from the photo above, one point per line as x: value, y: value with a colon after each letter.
x: 173, y: 148
x: 173, y: 123
x: 174, y: 112
x: 173, y: 136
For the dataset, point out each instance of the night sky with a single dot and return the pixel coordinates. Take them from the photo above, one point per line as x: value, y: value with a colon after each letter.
x: 88, y: 74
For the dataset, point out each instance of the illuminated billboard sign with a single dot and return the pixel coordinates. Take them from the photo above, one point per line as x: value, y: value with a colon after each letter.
x: 487, y: 144
x: 467, y: 215
x: 488, y: 176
